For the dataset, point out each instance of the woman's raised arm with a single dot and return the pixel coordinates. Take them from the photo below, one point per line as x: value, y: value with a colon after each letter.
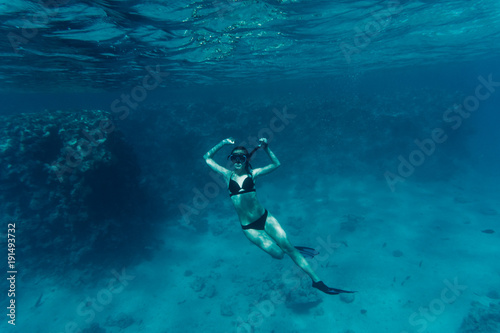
x: 271, y: 167
x: 211, y: 163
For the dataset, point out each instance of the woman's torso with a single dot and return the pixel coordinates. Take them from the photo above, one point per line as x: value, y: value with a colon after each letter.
x: 246, y: 204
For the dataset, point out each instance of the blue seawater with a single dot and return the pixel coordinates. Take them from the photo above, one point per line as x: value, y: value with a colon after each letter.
x: 384, y: 117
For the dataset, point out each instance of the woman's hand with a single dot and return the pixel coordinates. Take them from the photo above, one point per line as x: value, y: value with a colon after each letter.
x: 209, y: 154
x: 228, y: 141
x: 263, y: 142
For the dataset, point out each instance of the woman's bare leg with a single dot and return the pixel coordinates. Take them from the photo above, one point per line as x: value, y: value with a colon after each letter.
x: 276, y: 232
x: 266, y: 243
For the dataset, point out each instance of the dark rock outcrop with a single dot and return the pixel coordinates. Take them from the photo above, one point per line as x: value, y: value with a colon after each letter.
x: 482, y: 319
x: 71, y: 183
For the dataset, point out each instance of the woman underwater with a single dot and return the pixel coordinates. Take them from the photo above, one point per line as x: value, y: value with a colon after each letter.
x: 260, y: 227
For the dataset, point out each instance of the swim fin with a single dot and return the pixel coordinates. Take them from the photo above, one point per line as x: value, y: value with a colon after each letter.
x: 307, y: 252
x: 331, y: 291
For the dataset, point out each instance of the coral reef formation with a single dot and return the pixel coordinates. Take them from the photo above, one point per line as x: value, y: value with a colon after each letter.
x: 71, y: 183
x: 482, y: 319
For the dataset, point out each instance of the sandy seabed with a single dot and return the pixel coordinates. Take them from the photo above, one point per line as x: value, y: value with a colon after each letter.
x: 417, y: 257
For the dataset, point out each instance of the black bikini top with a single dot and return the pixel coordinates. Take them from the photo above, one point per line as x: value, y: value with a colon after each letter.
x: 235, y: 189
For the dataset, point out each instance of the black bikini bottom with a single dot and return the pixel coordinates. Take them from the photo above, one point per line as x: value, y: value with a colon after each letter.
x: 257, y: 225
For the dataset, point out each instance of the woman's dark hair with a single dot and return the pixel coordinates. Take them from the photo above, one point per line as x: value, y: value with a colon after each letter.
x: 248, y: 166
